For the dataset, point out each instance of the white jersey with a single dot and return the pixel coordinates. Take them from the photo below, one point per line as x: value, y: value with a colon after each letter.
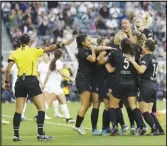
x: 53, y: 84
x: 43, y: 69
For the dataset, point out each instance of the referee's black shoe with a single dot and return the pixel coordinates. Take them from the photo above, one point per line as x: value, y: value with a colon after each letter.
x: 16, y: 138
x: 44, y: 137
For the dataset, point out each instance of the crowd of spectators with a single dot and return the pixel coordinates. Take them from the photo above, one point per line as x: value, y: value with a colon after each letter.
x: 50, y: 22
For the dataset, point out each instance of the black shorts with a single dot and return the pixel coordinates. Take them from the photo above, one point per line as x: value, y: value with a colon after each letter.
x: 29, y: 86
x: 124, y: 90
x: 95, y: 85
x: 83, y: 84
x: 147, y: 95
x: 111, y: 81
x: 103, y: 90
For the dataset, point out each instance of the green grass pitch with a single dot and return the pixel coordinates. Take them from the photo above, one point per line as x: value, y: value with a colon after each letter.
x: 63, y: 133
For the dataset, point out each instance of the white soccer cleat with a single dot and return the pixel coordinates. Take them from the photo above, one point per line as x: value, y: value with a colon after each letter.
x: 47, y: 117
x: 80, y: 130
x: 59, y: 115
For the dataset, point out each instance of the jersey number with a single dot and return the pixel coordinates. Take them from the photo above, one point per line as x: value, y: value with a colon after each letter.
x: 155, y: 69
x: 126, y: 63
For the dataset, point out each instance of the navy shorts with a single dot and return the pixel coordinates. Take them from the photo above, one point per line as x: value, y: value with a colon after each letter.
x: 29, y: 86
x: 147, y: 95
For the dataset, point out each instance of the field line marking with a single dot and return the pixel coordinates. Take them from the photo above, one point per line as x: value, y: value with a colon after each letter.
x: 54, y: 123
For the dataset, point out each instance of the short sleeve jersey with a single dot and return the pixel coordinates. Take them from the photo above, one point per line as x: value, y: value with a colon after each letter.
x: 125, y: 72
x: 148, y: 78
x: 85, y: 67
x: 26, y: 59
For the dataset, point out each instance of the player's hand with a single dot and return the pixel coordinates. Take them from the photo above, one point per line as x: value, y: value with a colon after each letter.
x: 130, y: 58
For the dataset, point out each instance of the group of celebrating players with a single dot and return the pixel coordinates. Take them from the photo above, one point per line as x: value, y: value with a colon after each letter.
x: 123, y: 74
x: 119, y: 71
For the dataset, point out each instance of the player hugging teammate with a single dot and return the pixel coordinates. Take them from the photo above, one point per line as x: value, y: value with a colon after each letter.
x: 131, y: 70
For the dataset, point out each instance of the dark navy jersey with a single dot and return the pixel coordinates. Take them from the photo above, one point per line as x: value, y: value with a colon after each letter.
x: 147, y: 33
x: 125, y: 72
x: 148, y: 78
x: 85, y: 67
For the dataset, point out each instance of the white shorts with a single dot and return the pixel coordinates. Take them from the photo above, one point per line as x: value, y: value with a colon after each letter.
x: 53, y: 88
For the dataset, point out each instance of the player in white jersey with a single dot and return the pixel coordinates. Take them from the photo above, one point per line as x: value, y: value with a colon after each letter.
x: 52, y: 84
x: 43, y: 68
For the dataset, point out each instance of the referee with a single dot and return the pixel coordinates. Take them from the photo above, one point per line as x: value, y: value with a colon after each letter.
x: 27, y: 83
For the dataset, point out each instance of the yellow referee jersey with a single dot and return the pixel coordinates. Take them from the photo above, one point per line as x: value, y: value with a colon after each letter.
x: 26, y: 59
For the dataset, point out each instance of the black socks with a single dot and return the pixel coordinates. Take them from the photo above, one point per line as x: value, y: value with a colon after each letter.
x: 94, y: 118
x: 40, y: 121
x: 16, y: 124
x: 79, y: 121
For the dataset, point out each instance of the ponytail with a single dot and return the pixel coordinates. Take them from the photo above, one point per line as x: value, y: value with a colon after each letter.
x: 57, y: 55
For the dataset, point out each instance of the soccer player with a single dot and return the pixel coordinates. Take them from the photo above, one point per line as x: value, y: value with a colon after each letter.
x: 52, y: 84
x: 43, y: 68
x: 99, y: 89
x: 139, y: 23
x: 148, y: 86
x: 86, y: 59
x: 27, y: 83
x: 124, y: 86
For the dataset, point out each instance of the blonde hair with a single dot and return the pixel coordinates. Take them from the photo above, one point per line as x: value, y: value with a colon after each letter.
x: 119, y: 37
x: 147, y: 19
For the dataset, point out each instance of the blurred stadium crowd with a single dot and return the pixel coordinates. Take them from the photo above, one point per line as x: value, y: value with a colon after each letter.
x: 50, y: 22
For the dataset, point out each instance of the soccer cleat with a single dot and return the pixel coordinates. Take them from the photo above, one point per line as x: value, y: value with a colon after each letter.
x: 124, y: 129
x: 140, y: 131
x: 47, y: 117
x: 44, y: 137
x: 70, y: 120
x: 23, y: 118
x: 132, y: 130
x: 96, y: 133
x: 114, y: 131
x: 58, y: 115
x: 104, y: 132
x: 80, y: 130
x: 153, y: 133
x: 16, y: 138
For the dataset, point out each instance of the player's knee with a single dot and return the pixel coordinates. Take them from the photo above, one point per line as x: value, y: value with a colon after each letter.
x: 19, y: 110
x: 133, y: 106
